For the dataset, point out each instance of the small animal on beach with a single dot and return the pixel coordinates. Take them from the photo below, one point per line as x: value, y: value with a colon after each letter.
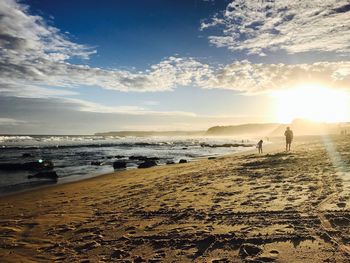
x: 259, y: 146
x: 289, y: 138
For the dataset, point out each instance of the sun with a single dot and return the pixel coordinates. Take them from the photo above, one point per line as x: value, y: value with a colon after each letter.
x: 311, y: 102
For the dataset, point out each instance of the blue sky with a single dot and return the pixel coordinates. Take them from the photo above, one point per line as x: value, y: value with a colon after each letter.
x: 73, y: 67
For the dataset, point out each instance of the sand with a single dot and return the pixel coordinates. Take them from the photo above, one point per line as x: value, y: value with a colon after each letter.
x: 274, y: 207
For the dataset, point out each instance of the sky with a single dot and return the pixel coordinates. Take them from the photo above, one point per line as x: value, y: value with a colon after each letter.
x: 80, y: 67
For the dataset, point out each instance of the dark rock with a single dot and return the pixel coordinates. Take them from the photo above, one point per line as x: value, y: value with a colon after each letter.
x: 147, y: 164
x: 31, y: 166
x: 211, y: 158
x: 184, y: 148
x: 170, y: 162
x: 109, y: 157
x: 96, y: 163
x: 26, y: 155
x: 39, y: 165
x: 247, y: 250
x: 143, y: 158
x: 10, y: 166
x: 49, y: 174
x: 183, y: 161
x: 119, y: 165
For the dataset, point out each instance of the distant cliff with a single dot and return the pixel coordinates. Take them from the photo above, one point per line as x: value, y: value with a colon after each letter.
x: 244, y: 129
x: 299, y: 126
x: 151, y: 133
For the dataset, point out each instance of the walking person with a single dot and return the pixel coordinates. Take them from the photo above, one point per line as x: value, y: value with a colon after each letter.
x: 289, y: 138
x: 259, y: 146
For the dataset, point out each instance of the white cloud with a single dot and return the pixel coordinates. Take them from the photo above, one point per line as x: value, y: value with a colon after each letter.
x: 10, y: 122
x: 293, y: 26
x: 38, y: 54
x: 88, y: 106
x: 253, y: 78
x: 35, y: 56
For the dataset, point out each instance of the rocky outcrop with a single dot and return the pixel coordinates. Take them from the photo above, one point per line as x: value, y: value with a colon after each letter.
x: 147, y: 164
x: 30, y: 166
x: 119, y: 165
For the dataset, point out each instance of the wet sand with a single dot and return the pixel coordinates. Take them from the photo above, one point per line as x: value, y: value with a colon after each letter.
x: 274, y: 207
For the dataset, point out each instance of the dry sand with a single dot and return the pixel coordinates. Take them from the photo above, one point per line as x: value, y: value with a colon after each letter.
x: 275, y: 207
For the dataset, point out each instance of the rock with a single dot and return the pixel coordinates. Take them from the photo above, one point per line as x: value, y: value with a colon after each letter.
x: 10, y: 166
x: 147, y: 164
x: 39, y: 165
x: 247, y: 250
x: 32, y: 166
x: 26, y: 155
x: 170, y: 162
x: 49, y: 174
x: 211, y: 158
x: 109, y: 157
x: 143, y: 158
x: 183, y: 161
x: 96, y: 163
x: 119, y: 156
x: 119, y: 165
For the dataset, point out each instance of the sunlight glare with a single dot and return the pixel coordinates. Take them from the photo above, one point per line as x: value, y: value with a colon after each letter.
x: 311, y: 102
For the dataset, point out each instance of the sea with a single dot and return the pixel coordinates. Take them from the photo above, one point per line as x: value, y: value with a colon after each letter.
x: 80, y: 157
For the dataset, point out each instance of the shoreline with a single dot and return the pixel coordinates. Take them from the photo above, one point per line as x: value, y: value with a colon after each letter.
x: 273, y: 207
x: 67, y: 180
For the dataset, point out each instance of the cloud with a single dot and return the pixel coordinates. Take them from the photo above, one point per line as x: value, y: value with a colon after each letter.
x: 34, y: 57
x: 37, y: 54
x: 10, y: 122
x: 292, y: 26
x: 88, y: 106
x: 253, y: 78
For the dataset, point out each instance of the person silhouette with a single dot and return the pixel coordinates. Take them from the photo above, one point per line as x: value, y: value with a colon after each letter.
x: 259, y: 146
x: 289, y: 138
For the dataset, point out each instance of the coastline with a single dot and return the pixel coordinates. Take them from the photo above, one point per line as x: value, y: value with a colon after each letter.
x: 283, y: 205
x: 68, y: 179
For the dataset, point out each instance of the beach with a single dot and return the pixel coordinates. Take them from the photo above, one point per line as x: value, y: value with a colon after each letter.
x: 274, y: 207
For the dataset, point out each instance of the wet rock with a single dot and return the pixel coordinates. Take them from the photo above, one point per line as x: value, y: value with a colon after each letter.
x: 50, y: 174
x: 96, y: 163
x: 248, y: 250
x: 147, y: 164
x: 211, y: 158
x: 119, y: 165
x: 26, y: 155
x: 39, y: 165
x: 143, y: 158
x: 10, y: 166
x: 31, y: 166
x: 170, y: 162
x: 183, y: 161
